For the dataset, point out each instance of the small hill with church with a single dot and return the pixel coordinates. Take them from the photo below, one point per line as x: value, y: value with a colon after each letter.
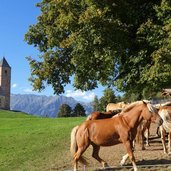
x: 46, y: 106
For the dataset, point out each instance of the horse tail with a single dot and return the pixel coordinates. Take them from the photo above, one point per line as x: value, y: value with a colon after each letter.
x: 74, y: 146
x: 139, y: 134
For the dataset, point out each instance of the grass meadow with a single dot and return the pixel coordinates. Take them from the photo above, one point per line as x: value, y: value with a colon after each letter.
x: 29, y: 143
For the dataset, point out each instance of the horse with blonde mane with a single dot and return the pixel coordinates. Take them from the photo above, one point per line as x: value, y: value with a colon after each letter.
x: 165, y: 114
x: 108, y: 132
x: 114, y: 106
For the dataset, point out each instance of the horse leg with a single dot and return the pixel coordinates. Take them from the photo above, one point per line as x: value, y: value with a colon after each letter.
x: 124, y: 159
x: 147, y: 137
x: 146, y: 133
x: 78, y: 157
x: 162, y: 132
x: 95, y: 154
x: 169, y: 143
x: 142, y: 141
x: 128, y: 146
x: 82, y: 144
x: 157, y: 131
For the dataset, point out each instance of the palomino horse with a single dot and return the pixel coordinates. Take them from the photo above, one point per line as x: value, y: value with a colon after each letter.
x: 102, y: 115
x: 107, y: 132
x: 165, y: 114
x: 114, y: 106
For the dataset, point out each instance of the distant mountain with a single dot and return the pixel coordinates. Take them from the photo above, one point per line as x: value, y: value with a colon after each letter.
x: 46, y: 106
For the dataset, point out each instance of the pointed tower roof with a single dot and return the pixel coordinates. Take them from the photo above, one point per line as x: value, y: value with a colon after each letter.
x: 4, y: 63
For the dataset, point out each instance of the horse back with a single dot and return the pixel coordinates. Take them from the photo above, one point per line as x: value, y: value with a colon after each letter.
x: 102, y: 115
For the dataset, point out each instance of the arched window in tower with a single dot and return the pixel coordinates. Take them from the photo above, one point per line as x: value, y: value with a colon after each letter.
x: 5, y: 72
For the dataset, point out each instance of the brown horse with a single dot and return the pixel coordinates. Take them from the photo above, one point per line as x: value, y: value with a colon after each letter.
x: 165, y: 114
x: 142, y: 130
x: 107, y: 132
x: 102, y: 115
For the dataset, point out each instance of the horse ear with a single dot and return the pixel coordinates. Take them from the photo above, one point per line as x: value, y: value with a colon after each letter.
x: 146, y: 101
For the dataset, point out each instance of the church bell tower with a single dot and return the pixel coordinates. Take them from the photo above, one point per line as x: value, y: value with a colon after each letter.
x: 5, y: 84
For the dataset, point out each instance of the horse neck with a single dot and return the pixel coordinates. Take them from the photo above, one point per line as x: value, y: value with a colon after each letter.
x: 133, y: 119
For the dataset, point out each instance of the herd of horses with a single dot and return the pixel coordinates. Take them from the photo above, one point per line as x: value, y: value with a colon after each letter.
x: 121, y: 123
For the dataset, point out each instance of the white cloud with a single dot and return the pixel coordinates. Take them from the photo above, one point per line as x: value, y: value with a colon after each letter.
x: 14, y: 85
x: 28, y: 90
x: 89, y: 96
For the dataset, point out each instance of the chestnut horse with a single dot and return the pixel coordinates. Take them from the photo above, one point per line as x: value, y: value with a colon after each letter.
x: 108, y: 132
x: 142, y: 130
x: 165, y: 114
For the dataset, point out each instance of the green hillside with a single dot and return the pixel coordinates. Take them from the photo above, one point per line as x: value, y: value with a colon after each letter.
x: 13, y: 114
x: 29, y: 143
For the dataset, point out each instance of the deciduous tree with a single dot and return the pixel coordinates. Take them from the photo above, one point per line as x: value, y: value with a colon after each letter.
x: 64, y: 111
x: 78, y: 110
x: 108, y: 97
x: 95, y: 104
x: 113, y: 43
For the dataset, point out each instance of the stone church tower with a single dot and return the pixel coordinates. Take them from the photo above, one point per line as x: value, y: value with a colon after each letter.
x: 5, y: 84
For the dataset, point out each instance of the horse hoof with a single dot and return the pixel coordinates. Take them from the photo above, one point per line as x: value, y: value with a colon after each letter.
x: 143, y: 148
x: 122, y: 162
x: 165, y: 153
x: 105, y: 165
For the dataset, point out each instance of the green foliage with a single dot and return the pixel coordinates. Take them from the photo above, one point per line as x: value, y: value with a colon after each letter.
x: 94, y: 42
x: 64, y: 111
x: 156, y: 33
x: 96, y: 105
x: 78, y: 110
x: 108, y: 97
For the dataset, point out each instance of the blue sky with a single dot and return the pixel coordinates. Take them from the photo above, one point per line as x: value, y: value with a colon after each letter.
x: 15, y: 18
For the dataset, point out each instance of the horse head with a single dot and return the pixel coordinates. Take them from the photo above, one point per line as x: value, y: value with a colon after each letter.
x: 151, y: 113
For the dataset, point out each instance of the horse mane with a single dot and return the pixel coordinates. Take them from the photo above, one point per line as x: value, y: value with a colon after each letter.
x: 167, y: 104
x: 130, y: 106
x: 151, y: 108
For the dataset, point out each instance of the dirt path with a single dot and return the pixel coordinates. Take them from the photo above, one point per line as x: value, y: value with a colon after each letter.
x: 152, y: 158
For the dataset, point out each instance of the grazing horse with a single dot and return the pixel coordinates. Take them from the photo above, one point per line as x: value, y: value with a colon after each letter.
x: 165, y: 114
x: 108, y: 132
x: 103, y: 115
x: 114, y: 106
